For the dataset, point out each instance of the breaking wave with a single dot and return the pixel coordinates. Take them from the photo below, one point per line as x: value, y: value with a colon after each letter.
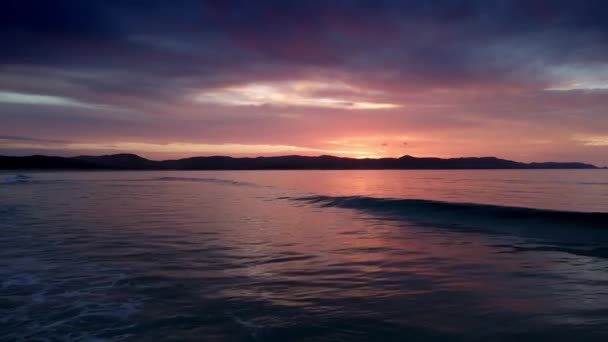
x: 463, y: 213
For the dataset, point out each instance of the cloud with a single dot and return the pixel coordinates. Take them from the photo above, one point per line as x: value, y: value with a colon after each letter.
x: 432, y: 43
x: 13, y: 138
x: 592, y: 140
x: 43, y: 100
x: 589, y: 77
x: 294, y: 93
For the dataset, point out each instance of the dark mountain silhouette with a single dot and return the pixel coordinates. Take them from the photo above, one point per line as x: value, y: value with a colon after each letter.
x: 120, y: 161
x: 44, y: 162
x: 135, y: 162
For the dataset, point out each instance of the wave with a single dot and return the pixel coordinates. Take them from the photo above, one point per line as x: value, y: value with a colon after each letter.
x: 205, y: 180
x: 13, y: 179
x: 453, y: 213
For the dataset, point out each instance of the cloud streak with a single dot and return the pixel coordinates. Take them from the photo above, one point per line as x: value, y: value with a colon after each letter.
x: 592, y: 140
x: 42, y: 100
x: 170, y: 148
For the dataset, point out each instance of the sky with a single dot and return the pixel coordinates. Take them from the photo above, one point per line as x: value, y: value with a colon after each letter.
x: 522, y: 80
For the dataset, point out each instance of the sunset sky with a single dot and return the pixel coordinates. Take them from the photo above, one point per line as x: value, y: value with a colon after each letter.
x: 522, y: 80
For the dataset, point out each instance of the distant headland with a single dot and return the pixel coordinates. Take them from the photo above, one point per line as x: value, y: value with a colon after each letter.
x: 126, y: 161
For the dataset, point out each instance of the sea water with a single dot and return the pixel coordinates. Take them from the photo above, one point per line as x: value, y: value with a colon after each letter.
x: 304, y: 256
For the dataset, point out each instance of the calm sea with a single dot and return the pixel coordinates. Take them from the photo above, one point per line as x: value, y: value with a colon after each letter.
x: 304, y: 256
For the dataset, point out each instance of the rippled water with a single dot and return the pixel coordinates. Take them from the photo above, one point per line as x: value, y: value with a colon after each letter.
x: 304, y: 256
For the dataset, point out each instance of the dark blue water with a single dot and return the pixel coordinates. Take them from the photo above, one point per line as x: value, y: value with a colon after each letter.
x: 304, y: 256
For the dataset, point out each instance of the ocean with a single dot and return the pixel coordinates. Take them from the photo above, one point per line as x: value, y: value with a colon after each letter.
x: 501, y: 255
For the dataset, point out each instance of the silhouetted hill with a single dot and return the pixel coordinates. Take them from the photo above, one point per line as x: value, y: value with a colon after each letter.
x: 120, y: 161
x: 44, y: 162
x: 135, y: 162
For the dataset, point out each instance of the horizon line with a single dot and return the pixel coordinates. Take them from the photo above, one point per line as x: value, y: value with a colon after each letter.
x: 298, y: 155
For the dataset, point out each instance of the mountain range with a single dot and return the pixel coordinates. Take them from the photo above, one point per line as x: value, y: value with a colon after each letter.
x: 126, y: 161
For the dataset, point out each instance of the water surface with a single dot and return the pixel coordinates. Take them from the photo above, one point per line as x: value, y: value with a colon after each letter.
x: 304, y: 255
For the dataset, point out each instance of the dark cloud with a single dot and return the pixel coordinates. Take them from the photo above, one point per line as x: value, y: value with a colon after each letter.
x: 443, y: 41
x: 28, y: 139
